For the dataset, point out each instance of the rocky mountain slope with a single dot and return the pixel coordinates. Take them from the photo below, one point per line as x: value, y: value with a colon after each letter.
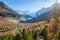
x: 8, y: 17
x: 6, y: 11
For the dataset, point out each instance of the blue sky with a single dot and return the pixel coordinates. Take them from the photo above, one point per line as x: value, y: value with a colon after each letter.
x: 31, y: 5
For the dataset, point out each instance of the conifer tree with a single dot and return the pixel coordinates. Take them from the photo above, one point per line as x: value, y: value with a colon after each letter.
x: 6, y: 37
x: 17, y: 37
x: 24, y: 33
x: 11, y: 37
x: 37, y: 34
x: 57, y: 36
x: 31, y: 35
x: 27, y: 36
x: 45, y: 32
x: 21, y: 38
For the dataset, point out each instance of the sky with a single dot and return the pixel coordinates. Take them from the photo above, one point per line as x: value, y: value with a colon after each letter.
x: 31, y: 5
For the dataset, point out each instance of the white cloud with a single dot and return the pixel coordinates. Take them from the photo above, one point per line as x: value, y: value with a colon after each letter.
x: 58, y: 1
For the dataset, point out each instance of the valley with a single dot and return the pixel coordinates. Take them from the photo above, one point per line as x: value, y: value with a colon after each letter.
x: 16, y: 26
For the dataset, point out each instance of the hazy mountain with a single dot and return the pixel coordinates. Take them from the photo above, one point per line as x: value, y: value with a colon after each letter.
x: 6, y: 11
x: 29, y: 14
x: 55, y: 11
x: 25, y: 14
x: 42, y: 10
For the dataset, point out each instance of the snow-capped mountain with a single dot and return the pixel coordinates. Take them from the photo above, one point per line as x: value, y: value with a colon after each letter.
x: 46, y: 16
x: 26, y: 14
x: 31, y: 14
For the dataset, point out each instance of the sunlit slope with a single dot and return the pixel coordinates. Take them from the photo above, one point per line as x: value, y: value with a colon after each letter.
x: 6, y: 11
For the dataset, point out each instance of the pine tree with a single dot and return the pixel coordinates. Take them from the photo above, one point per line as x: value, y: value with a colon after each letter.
x: 21, y: 38
x: 10, y: 37
x: 31, y: 35
x: 45, y: 32
x: 57, y: 36
x: 2, y: 38
x: 6, y: 37
x: 37, y: 34
x: 27, y: 36
x: 17, y: 37
x: 24, y: 34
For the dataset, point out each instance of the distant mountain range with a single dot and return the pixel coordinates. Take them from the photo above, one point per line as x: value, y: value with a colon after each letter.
x: 46, y: 16
x: 29, y: 14
x: 43, y: 10
x: 25, y: 14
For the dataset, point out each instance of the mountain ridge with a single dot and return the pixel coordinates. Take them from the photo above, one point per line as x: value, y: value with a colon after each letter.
x: 47, y: 15
x: 6, y: 11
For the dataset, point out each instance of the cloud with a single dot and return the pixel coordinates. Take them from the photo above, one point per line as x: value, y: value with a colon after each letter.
x: 58, y: 1
x: 31, y: 5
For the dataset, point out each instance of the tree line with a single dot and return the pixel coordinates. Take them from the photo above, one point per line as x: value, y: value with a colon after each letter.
x: 31, y: 35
